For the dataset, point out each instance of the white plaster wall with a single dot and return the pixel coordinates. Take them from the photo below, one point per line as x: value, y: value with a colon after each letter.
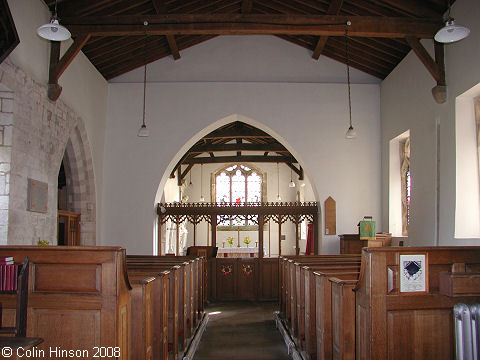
x: 406, y: 103
x: 309, y: 118
x: 84, y: 89
x: 246, y: 59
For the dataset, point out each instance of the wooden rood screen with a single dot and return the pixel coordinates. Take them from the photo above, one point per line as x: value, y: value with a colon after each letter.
x: 258, y: 213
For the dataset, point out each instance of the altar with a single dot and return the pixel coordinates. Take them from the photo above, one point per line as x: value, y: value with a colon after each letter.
x: 237, y: 252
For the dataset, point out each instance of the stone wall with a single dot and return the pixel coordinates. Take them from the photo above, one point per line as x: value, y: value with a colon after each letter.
x: 37, y: 133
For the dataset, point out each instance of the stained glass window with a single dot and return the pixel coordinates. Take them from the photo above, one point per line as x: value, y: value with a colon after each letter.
x: 238, y: 184
x: 407, y: 192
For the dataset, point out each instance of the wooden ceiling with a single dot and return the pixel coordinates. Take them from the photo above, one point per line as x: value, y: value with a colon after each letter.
x: 235, y: 142
x: 112, y: 34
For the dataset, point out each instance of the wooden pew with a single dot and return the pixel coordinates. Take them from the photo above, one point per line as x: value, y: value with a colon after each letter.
x: 318, y: 306
x: 142, y: 317
x: 78, y: 298
x: 301, y: 271
x: 343, y: 318
x: 184, y: 297
x: 285, y: 275
x: 317, y: 325
x: 392, y: 324
x: 295, y: 284
x: 174, y: 304
x: 188, y: 289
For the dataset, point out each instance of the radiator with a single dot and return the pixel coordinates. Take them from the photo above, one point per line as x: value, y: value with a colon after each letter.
x: 467, y: 331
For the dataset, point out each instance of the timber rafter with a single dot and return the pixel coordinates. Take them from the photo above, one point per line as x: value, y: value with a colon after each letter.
x: 111, y: 33
x: 236, y: 142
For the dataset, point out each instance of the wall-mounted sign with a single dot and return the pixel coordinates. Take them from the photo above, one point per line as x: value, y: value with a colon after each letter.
x: 413, y: 273
x: 37, y: 196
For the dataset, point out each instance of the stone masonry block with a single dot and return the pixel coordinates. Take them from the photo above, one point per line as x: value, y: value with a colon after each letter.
x: 6, y: 118
x: 7, y: 105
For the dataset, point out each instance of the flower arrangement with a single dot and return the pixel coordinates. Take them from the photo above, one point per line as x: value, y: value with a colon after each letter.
x: 246, y: 240
x: 42, y: 242
x: 230, y: 240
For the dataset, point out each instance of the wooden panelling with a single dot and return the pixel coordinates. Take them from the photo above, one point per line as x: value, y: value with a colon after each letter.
x: 460, y: 284
x: 245, y: 279
x: 66, y: 278
x: 226, y: 278
x: 420, y: 335
x: 269, y: 277
x: 66, y: 329
x: 395, y: 325
x: 78, y: 296
x: 343, y: 319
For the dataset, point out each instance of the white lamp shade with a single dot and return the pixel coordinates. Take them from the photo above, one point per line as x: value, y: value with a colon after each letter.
x: 279, y: 198
x: 143, y: 132
x: 53, y: 31
x: 451, y: 32
x: 291, y: 184
x: 351, y: 133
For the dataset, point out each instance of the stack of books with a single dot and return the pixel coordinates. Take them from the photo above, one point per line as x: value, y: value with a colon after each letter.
x: 8, y: 274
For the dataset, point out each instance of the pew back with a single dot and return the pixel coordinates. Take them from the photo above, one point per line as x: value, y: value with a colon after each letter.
x: 400, y: 311
x: 78, y: 297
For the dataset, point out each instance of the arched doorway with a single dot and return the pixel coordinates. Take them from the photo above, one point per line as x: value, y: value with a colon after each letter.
x: 76, y: 195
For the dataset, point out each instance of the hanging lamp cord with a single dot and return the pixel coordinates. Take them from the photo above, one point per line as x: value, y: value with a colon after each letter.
x: 144, y: 75
x: 348, y: 78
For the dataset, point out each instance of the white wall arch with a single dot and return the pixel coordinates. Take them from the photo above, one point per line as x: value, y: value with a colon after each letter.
x: 215, y: 167
x: 310, y: 119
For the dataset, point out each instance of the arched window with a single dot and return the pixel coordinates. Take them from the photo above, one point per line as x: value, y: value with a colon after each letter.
x: 238, y: 184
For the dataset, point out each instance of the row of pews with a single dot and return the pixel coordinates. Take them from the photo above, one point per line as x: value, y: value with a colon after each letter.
x: 168, y: 297
x: 97, y: 302
x: 354, y: 306
x: 307, y: 284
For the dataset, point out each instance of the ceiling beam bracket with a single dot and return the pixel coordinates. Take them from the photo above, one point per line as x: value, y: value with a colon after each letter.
x: 436, y: 67
x: 59, y: 65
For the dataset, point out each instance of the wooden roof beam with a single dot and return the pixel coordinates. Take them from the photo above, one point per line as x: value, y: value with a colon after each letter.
x: 436, y: 67
x: 247, y: 6
x: 333, y: 9
x: 254, y: 24
x: 273, y: 147
x: 160, y: 8
x: 298, y: 171
x: 58, y: 66
x: 413, y: 7
x: 243, y: 158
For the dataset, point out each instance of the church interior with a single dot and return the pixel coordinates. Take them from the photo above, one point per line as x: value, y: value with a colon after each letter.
x: 253, y: 179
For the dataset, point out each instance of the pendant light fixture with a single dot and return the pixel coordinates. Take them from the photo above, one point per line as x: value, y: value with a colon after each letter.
x: 291, y: 184
x: 202, y: 198
x: 143, y: 131
x: 451, y: 32
x: 351, y: 133
x: 279, y: 198
x: 53, y: 30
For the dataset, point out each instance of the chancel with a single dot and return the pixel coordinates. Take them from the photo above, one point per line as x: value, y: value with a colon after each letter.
x: 247, y: 224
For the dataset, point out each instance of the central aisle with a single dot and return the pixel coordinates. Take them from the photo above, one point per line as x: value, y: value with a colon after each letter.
x: 243, y: 331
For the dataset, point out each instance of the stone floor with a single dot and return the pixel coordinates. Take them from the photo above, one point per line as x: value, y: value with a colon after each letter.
x: 243, y: 331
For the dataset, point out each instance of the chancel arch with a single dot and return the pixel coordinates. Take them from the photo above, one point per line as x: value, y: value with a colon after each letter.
x: 252, y: 169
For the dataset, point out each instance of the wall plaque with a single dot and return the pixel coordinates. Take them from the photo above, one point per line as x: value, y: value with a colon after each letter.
x: 37, y: 196
x: 330, y: 216
x: 413, y: 273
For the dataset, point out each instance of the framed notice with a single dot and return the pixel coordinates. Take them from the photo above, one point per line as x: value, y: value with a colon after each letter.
x: 413, y: 273
x: 37, y: 196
